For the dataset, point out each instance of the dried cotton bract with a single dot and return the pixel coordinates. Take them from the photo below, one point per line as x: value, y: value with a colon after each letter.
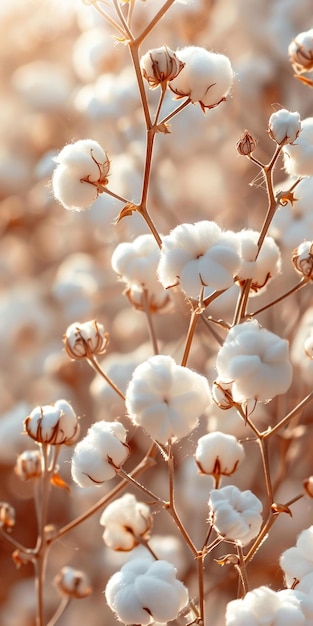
x: 125, y: 521
x: 100, y: 454
x: 235, y: 515
x: 261, y: 606
x: 53, y: 424
x: 166, y: 399
x: 218, y: 454
x: 199, y: 255
x: 84, y: 340
x: 255, y: 361
x: 298, y: 157
x: 284, y: 126
x: 206, y: 77
x: 160, y: 65
x: 143, y: 592
x: 80, y: 175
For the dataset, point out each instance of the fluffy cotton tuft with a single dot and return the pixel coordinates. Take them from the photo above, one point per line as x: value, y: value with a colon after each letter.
x: 297, y: 562
x: 143, y: 592
x: 97, y: 457
x: 125, y: 521
x: 261, y: 606
x: 284, y: 126
x: 166, y: 399
x: 235, y: 514
x: 255, y: 361
x: 218, y: 454
x: 298, y: 157
x: 136, y: 264
x: 82, y: 169
x: 199, y: 255
x: 260, y: 268
x: 206, y: 77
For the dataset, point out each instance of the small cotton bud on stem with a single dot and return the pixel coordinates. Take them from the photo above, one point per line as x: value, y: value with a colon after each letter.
x: 246, y: 144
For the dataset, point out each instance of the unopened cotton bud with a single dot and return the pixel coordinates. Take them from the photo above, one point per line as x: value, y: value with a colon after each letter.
x: 235, y: 514
x: 54, y: 424
x: 300, y: 52
x: 7, y: 516
x: 81, y: 173
x: 84, y: 340
x: 125, y: 521
x: 308, y: 486
x: 160, y: 65
x: 206, y: 77
x: 284, y: 126
x: 246, y: 144
x: 73, y: 583
x: 218, y: 454
x: 28, y: 465
x: 302, y: 258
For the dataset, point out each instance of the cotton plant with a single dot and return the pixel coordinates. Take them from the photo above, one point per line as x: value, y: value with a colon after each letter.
x: 163, y: 405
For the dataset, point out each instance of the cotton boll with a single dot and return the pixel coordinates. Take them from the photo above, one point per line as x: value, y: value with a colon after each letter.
x: 235, y: 514
x: 125, y: 521
x: 298, y: 157
x: 258, y: 267
x: 206, y: 77
x: 97, y: 456
x: 199, y: 255
x: 297, y: 562
x: 70, y: 191
x: 266, y: 606
x: 142, y: 592
x: 218, y: 454
x: 166, y: 399
x: 284, y: 126
x: 255, y: 361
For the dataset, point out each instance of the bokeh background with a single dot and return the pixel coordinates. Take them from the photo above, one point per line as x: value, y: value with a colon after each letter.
x: 63, y: 77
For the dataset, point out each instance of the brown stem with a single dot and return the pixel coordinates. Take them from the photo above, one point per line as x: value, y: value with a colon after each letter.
x: 242, y: 570
x: 95, y: 365
x: 147, y: 462
x: 153, y: 337
x: 273, y: 430
x: 294, y: 289
x: 158, y: 16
